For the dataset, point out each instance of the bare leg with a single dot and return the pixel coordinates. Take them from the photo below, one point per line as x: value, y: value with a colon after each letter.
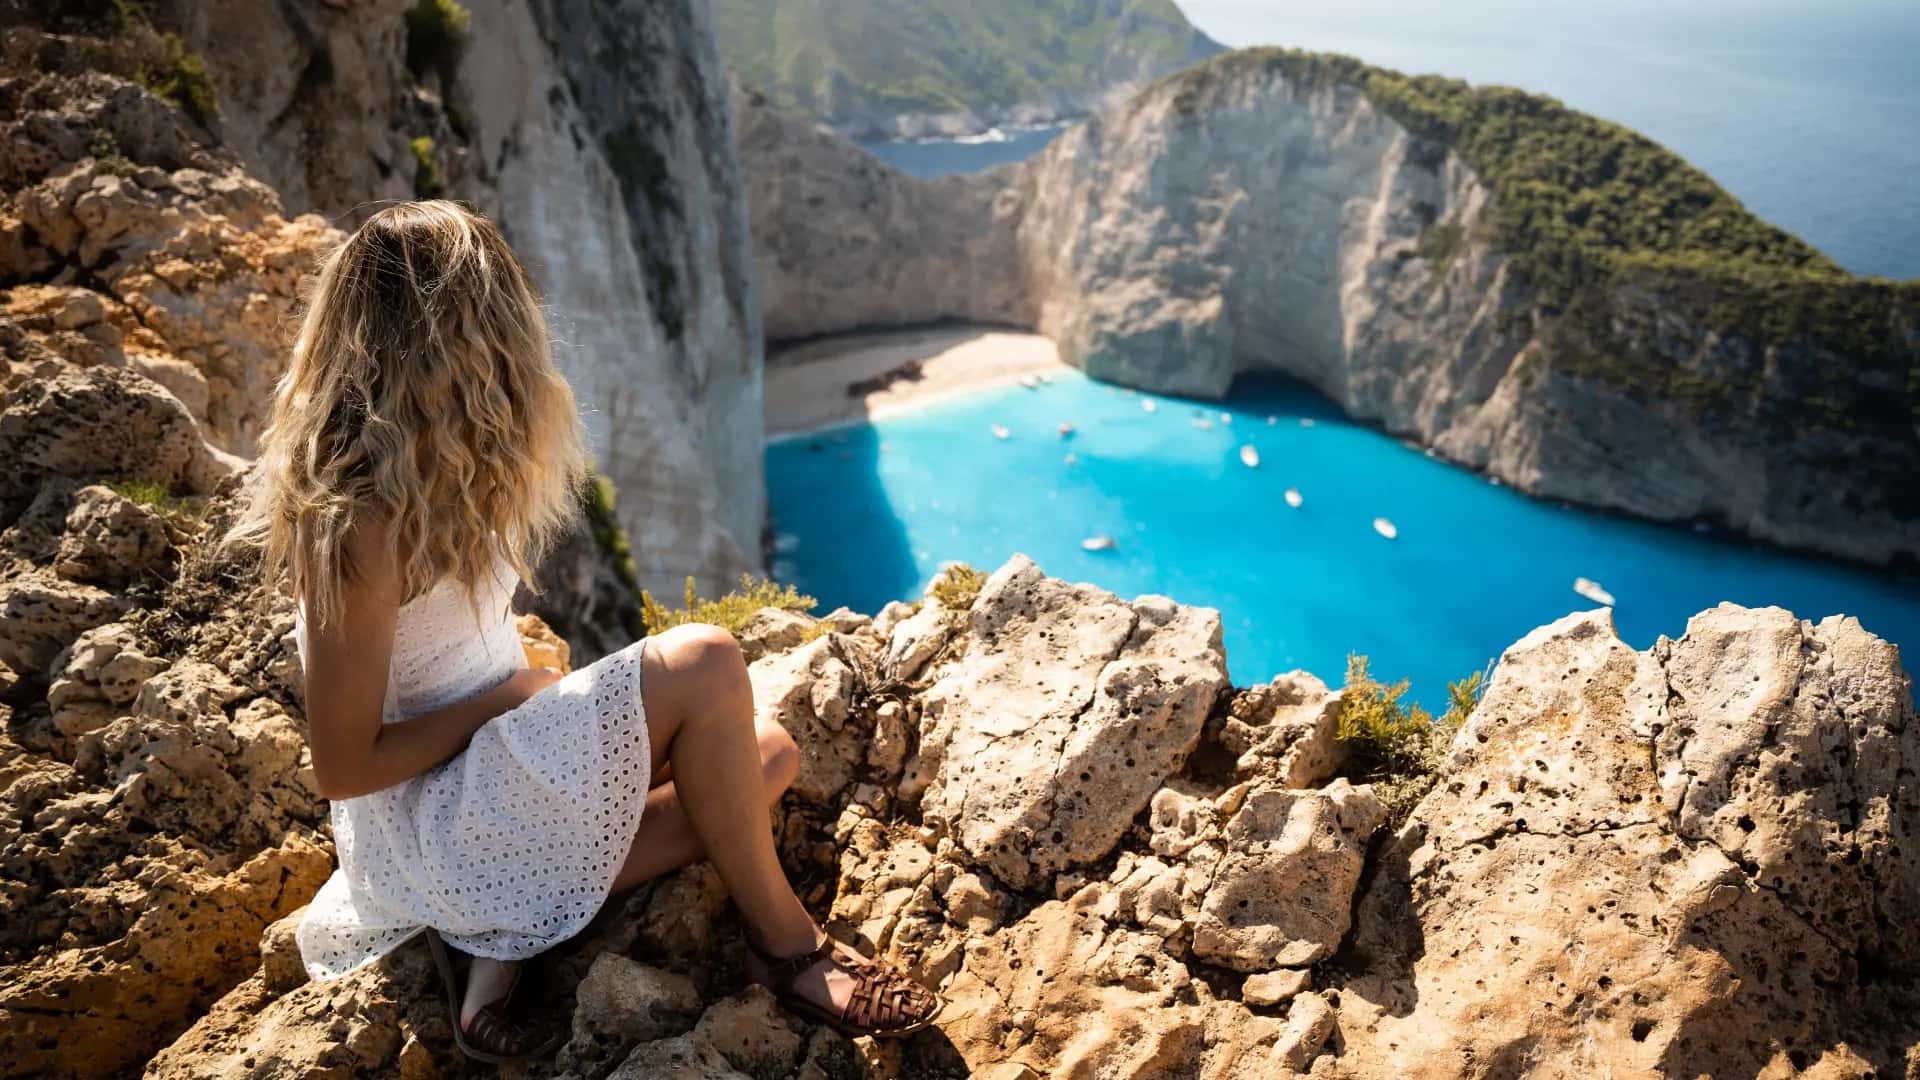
x: 699, y: 709
x: 665, y: 840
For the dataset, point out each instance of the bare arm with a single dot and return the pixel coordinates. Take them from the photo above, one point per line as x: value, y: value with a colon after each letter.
x: 346, y: 676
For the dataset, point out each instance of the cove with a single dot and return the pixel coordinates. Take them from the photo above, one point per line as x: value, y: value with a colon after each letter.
x: 865, y: 514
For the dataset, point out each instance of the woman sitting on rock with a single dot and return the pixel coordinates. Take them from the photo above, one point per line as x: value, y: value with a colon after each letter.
x: 423, y: 452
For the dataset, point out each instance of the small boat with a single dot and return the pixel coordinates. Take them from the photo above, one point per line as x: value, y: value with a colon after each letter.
x: 1306, y: 421
x: 1065, y: 430
x: 1000, y: 431
x: 1293, y: 498
x: 1203, y: 423
x: 1250, y: 457
x: 1386, y: 528
x: 1226, y: 418
x: 1099, y: 543
x: 1591, y: 589
x: 1071, y: 459
x: 1272, y: 420
x: 1149, y: 404
x: 1031, y: 382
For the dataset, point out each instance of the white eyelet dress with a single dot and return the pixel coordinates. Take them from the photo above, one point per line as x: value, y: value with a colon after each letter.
x: 512, y: 845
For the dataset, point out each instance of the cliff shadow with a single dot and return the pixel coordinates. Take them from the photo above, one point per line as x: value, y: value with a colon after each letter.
x: 836, y: 535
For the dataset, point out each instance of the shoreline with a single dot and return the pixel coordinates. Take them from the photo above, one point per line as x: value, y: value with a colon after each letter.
x: 807, y: 387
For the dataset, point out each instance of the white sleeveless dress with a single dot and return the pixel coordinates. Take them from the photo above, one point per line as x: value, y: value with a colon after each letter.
x: 512, y: 845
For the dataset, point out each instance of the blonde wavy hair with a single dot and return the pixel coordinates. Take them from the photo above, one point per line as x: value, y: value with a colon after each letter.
x: 421, y: 393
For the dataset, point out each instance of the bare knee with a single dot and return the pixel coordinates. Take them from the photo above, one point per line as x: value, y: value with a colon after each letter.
x: 703, y: 651
x: 706, y: 664
x: 779, y: 757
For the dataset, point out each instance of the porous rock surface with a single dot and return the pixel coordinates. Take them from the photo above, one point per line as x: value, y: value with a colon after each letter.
x: 1688, y: 860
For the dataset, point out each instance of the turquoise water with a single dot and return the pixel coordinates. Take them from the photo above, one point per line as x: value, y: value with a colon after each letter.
x: 1807, y: 112
x: 867, y: 514
x: 928, y: 158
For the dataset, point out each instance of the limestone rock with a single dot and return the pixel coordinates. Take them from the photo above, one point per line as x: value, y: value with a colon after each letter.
x: 1636, y: 927
x: 104, y: 422
x: 774, y: 630
x: 543, y: 647
x: 109, y: 536
x: 752, y: 1033
x: 915, y: 637
x: 810, y: 691
x: 621, y: 1000
x: 1287, y: 729
x: 1037, y: 775
x: 1282, y: 892
x: 98, y: 675
x: 1309, y: 1022
x: 41, y: 614
x: 1275, y: 987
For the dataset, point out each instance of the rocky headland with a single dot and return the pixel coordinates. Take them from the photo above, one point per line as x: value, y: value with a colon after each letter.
x: 1529, y: 291
x: 910, y: 69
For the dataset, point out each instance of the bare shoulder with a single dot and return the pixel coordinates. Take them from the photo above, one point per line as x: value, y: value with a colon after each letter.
x: 372, y: 567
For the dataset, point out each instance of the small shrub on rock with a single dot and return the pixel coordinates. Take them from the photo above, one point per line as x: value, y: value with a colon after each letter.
x: 1399, y: 748
x: 181, y: 77
x: 436, y: 37
x: 957, y: 587
x: 729, y: 612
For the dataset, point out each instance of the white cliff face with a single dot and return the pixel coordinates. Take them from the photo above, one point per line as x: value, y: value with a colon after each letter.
x: 843, y: 241
x: 617, y: 184
x: 1174, y: 245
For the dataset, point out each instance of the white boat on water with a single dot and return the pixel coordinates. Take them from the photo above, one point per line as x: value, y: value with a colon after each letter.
x: 1272, y: 420
x: 1306, y: 421
x: 1099, y: 543
x: 1591, y: 589
x: 1071, y: 458
x: 1226, y: 418
x: 1065, y: 429
x: 1294, y: 498
x: 1031, y: 382
x: 1149, y: 404
x: 1386, y: 528
x: 1000, y: 431
x: 1250, y: 457
x: 1203, y: 423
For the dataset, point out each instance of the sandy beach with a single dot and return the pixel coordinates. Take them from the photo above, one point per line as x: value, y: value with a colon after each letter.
x: 808, y: 386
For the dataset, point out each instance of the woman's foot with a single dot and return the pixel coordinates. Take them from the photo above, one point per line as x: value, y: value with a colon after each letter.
x: 488, y: 981
x: 832, y: 983
x: 482, y: 1027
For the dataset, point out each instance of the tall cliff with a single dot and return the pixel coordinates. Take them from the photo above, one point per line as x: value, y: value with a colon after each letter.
x: 1530, y: 291
x: 598, y: 135
x: 912, y: 68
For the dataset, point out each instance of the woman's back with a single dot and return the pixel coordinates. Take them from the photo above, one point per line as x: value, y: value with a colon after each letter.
x: 441, y: 654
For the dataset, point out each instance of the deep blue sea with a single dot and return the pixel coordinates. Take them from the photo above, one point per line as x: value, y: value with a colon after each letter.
x: 867, y: 514
x: 1808, y: 111
x: 927, y: 158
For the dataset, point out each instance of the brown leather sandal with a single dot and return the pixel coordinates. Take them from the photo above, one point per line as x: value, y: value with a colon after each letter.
x: 886, y: 1003
x: 492, y: 1036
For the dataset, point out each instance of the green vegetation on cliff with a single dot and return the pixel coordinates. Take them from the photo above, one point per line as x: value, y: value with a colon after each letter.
x: 867, y: 57
x: 1623, y: 243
